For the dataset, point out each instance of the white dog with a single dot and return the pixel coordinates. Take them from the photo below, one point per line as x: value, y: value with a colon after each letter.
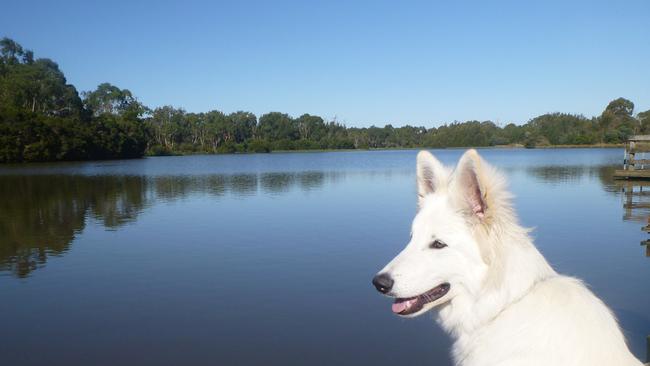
x: 495, y: 293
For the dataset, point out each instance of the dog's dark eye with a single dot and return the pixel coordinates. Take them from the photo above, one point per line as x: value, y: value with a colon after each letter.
x: 437, y: 244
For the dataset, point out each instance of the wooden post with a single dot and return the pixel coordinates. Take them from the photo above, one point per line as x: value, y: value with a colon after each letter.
x: 647, y: 350
x: 635, y: 167
x: 628, y: 191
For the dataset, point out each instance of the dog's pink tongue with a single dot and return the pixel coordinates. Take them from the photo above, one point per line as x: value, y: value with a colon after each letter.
x: 399, y: 306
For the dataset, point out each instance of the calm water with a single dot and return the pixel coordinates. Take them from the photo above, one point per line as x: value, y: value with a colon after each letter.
x: 267, y: 259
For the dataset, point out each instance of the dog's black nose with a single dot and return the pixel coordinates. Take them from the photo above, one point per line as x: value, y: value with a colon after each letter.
x: 383, y: 282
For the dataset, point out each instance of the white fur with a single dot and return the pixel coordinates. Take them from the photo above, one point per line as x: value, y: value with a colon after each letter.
x: 506, y: 305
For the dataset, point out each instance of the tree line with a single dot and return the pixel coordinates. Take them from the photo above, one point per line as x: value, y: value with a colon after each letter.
x: 43, y: 118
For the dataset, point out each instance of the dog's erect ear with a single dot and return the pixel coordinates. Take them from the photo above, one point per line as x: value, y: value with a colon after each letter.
x: 432, y: 175
x: 468, y: 181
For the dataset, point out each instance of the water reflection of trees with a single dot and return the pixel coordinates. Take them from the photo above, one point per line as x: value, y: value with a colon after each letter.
x: 575, y: 173
x: 40, y: 215
x: 635, y: 194
x: 281, y: 182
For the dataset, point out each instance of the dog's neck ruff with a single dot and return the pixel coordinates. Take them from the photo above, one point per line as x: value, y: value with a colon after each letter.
x: 506, y: 281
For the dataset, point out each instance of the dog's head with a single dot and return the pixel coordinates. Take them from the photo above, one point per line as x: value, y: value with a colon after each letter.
x: 447, y: 254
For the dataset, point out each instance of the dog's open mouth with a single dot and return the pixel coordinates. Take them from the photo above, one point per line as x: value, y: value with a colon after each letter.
x: 412, y: 305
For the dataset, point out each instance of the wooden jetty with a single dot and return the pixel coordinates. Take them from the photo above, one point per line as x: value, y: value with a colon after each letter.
x: 634, y: 168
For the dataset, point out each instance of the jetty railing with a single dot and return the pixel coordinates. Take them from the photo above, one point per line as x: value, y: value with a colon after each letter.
x: 633, y: 166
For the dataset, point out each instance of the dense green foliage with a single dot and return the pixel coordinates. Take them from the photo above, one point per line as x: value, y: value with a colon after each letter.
x: 42, y: 118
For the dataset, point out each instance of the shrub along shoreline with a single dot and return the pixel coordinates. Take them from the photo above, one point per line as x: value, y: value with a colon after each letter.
x: 43, y: 118
x: 505, y: 147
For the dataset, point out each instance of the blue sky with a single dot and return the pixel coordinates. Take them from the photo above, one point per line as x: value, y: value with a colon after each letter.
x: 363, y: 62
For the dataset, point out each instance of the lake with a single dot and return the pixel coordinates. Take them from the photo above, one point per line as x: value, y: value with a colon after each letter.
x: 267, y: 258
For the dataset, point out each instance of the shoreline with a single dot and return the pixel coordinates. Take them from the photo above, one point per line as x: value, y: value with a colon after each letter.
x: 513, y: 147
x: 503, y: 147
